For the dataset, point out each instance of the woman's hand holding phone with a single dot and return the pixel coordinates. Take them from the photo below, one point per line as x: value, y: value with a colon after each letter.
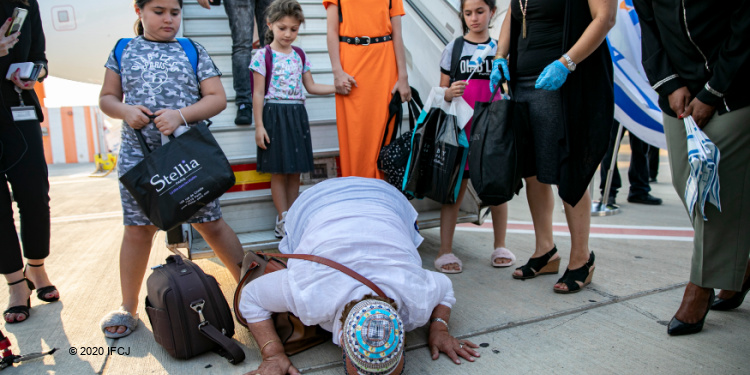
x: 22, y: 83
x: 7, y: 42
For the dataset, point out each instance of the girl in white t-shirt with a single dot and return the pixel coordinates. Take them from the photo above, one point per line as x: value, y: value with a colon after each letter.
x: 476, y: 16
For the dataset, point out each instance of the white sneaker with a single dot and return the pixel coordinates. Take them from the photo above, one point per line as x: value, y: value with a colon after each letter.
x: 279, y: 230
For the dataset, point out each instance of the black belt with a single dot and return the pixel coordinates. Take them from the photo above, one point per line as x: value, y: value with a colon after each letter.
x: 364, y: 40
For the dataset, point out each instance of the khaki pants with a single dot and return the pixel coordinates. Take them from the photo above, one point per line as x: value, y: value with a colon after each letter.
x: 722, y: 244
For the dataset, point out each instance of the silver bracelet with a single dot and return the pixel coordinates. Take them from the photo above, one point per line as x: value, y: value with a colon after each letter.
x: 183, y: 117
x: 433, y: 320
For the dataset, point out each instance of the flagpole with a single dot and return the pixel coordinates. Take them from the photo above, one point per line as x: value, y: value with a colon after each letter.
x: 600, y: 208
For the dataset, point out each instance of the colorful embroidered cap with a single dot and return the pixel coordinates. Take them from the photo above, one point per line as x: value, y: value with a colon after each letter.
x: 373, y: 337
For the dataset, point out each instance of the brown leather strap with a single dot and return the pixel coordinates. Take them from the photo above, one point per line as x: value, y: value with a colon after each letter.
x: 334, y: 265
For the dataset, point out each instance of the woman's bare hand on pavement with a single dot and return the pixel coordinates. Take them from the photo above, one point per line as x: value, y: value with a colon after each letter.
x: 275, y: 365
x: 442, y: 341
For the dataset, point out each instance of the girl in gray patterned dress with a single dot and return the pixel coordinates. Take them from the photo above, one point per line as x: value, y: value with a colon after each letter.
x: 154, y: 89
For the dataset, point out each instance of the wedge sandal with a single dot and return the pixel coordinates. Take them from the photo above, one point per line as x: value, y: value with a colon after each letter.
x: 571, y: 278
x: 539, y: 266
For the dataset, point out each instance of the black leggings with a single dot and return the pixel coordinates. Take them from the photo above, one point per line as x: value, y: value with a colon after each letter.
x: 27, y: 174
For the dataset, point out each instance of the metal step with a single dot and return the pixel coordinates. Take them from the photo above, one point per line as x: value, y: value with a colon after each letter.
x: 251, y: 214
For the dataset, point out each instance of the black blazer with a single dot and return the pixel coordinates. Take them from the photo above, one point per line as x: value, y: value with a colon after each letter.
x: 712, y: 61
x: 30, y: 48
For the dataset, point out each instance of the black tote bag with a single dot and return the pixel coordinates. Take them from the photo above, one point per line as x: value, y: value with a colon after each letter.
x: 394, y: 156
x: 448, y: 159
x: 497, y: 133
x: 418, y: 177
x: 179, y: 178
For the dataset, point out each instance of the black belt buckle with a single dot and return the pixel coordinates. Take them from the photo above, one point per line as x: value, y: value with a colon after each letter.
x: 358, y: 41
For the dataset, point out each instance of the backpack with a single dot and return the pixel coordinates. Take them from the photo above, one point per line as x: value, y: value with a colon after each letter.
x: 187, y: 45
x: 458, y: 48
x: 269, y: 65
x: 188, y: 312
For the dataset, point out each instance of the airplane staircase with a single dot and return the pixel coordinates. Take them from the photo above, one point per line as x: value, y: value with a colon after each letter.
x: 250, y: 211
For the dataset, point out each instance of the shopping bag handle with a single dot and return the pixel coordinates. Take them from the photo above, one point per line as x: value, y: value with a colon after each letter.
x: 500, y: 87
x: 142, y: 140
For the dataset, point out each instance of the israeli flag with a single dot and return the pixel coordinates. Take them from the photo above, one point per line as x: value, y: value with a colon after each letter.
x: 702, y: 185
x: 483, y: 50
x: 636, y: 103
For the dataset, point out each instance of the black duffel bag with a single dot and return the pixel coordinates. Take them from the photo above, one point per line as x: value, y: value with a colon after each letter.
x: 179, y: 178
x: 188, y: 312
x: 497, y: 133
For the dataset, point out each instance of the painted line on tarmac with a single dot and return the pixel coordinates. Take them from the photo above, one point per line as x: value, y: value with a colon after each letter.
x: 582, y: 309
x: 610, y: 300
x: 60, y: 182
x: 630, y: 232
x: 87, y: 217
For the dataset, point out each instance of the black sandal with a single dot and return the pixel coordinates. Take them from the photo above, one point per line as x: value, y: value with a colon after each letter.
x: 571, y: 278
x: 41, y: 292
x: 21, y: 309
x: 539, y: 266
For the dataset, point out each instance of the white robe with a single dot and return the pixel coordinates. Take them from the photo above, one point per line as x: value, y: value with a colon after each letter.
x: 366, y: 225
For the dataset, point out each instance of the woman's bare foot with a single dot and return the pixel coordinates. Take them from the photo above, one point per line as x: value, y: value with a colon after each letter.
x: 694, y: 304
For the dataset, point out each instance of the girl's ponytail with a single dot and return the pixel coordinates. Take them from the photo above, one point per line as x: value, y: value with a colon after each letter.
x: 138, y: 27
x: 269, y: 36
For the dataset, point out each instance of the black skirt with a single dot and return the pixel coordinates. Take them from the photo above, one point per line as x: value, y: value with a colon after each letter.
x: 290, y: 150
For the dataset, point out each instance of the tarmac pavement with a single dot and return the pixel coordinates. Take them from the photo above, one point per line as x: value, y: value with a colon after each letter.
x: 617, y: 325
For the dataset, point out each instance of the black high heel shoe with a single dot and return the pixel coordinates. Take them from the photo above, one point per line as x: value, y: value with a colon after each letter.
x: 41, y: 292
x: 20, y: 309
x: 735, y: 301
x: 677, y: 327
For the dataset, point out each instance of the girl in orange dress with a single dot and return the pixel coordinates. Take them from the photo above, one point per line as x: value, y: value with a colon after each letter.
x: 366, y: 71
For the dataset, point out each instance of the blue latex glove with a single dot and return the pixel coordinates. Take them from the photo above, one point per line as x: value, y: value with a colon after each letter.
x: 553, y: 76
x: 496, y: 74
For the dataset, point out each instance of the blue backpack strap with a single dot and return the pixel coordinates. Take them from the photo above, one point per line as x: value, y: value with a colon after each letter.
x: 191, y: 51
x: 119, y: 48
